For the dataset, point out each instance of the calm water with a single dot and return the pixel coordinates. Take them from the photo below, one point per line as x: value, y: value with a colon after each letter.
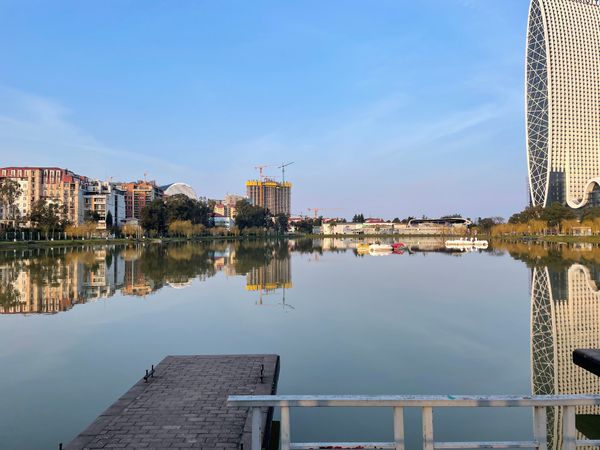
x: 82, y: 325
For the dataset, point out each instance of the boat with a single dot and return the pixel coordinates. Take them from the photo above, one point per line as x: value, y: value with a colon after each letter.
x: 398, y: 247
x: 362, y: 248
x: 380, y: 248
x: 465, y: 244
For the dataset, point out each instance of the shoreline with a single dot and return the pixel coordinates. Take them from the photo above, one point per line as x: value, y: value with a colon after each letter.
x: 19, y: 245
x: 557, y: 239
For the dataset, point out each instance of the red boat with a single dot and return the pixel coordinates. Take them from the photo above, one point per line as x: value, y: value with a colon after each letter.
x: 398, y: 247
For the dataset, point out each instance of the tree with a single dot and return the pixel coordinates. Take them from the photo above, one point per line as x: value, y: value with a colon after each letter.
x: 181, y: 207
x: 487, y: 223
x: 281, y: 223
x: 248, y: 215
x: 154, y: 217
x: 556, y: 213
x: 10, y: 191
x: 358, y: 218
x: 47, y: 216
x: 132, y: 230
x: 396, y: 220
x: 181, y: 228
x: 109, y: 220
x: 91, y: 216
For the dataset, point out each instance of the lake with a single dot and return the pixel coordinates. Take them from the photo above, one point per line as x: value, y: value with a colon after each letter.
x: 80, y: 325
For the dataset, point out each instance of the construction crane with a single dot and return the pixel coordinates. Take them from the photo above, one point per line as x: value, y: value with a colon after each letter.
x: 282, y: 167
x: 260, y: 190
x: 316, y: 210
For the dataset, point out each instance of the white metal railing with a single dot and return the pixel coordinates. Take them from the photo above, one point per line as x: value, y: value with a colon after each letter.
x: 426, y: 403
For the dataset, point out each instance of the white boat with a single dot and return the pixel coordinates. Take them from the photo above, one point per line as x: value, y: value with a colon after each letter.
x: 466, y: 244
x: 380, y: 248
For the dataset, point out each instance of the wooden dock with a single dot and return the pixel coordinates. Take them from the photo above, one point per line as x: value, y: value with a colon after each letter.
x: 184, y: 405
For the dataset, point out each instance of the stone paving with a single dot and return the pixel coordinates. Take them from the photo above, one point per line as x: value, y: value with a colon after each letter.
x: 185, y: 406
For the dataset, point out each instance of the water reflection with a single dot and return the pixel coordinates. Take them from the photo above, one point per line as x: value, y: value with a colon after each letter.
x: 565, y: 316
x: 47, y: 281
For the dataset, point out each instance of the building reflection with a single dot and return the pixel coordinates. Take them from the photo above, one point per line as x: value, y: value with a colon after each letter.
x: 565, y: 316
x: 53, y: 281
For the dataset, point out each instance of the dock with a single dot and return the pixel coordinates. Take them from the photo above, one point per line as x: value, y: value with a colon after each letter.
x: 183, y: 404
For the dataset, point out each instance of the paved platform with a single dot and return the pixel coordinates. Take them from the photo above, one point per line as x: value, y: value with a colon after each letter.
x: 185, y: 406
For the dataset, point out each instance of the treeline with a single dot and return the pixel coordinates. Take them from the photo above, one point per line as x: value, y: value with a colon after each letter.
x: 551, y: 220
x: 180, y: 216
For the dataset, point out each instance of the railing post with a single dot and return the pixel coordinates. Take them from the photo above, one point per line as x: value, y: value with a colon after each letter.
x: 256, y: 432
x: 284, y: 441
x: 569, y: 430
x: 428, y: 443
x: 399, y: 427
x: 540, y: 432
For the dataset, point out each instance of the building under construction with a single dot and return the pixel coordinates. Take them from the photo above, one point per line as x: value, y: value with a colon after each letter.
x: 270, y: 194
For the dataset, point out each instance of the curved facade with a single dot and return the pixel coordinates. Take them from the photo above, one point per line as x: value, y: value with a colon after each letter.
x: 565, y: 316
x: 180, y: 188
x: 563, y: 101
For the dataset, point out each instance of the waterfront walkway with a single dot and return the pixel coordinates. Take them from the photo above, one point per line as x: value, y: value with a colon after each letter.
x: 185, y: 405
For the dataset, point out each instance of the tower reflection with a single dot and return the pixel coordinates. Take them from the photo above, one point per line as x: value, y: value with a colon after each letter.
x: 565, y: 316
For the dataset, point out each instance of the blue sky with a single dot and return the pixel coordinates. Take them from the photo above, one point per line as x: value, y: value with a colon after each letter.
x: 389, y: 108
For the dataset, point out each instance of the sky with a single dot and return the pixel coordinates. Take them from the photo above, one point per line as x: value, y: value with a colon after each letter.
x: 390, y: 108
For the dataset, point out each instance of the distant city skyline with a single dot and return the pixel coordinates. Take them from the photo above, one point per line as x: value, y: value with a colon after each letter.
x: 406, y: 108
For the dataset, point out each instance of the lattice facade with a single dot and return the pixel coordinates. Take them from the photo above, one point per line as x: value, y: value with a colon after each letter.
x: 563, y: 101
x: 565, y: 316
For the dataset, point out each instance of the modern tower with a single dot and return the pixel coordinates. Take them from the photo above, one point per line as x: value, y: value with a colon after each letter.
x: 565, y: 316
x: 563, y: 102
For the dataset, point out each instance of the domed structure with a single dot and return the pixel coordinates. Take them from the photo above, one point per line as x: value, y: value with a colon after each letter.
x: 180, y: 284
x: 179, y: 188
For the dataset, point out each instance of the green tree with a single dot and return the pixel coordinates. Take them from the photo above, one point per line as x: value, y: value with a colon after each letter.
x: 358, y: 218
x: 47, y: 216
x: 10, y: 191
x: 556, y: 213
x: 154, y: 217
x: 248, y: 215
x: 91, y: 216
x: 281, y: 223
x: 487, y: 223
x: 529, y: 213
x: 181, y: 207
x: 590, y: 213
x: 305, y: 226
x: 109, y: 220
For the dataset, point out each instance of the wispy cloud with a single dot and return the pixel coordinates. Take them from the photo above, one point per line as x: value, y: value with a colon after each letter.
x: 41, y: 128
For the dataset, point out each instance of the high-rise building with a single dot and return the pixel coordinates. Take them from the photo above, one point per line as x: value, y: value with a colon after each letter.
x: 563, y: 102
x: 138, y: 194
x: 565, y: 316
x: 53, y: 185
x: 102, y: 198
x: 270, y: 194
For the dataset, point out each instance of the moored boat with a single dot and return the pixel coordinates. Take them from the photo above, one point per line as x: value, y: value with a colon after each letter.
x: 380, y: 248
x: 466, y: 244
